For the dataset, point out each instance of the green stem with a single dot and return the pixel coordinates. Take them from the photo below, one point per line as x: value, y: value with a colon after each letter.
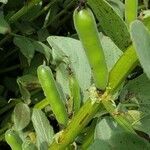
x: 122, y: 68
x: 118, y: 74
x: 120, y: 117
x: 48, y: 6
x: 89, y: 135
x: 131, y: 8
x: 23, y: 11
x: 42, y: 104
x: 76, y: 125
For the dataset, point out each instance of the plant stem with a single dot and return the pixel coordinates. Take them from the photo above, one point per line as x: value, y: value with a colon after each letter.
x: 119, y: 117
x: 88, y: 139
x: 122, y: 68
x: 23, y: 11
x: 118, y: 74
x: 76, y: 125
x: 42, y: 104
x: 131, y: 10
x: 48, y: 6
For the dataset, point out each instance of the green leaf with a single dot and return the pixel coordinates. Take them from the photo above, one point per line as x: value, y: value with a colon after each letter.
x: 24, y: 91
x: 62, y: 77
x: 25, y: 28
x: 21, y: 116
x: 26, y: 47
x: 141, y: 121
x: 99, y: 144
x: 4, y: 26
x: 146, y: 3
x: 112, y: 52
x: 36, y: 61
x: 118, y: 7
x: 111, y: 23
x: 4, y: 1
x: 28, y: 145
x: 26, y: 84
x: 29, y: 81
x: 73, y: 51
x: 137, y: 91
x: 141, y: 41
x: 136, y: 95
x: 43, y: 129
x: 112, y: 136
x: 68, y: 51
x: 44, y: 49
x: 43, y: 33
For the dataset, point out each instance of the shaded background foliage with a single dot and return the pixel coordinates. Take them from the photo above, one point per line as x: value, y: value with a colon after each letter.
x: 24, y: 46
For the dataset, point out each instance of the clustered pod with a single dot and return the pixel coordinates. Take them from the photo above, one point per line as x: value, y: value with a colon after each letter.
x: 13, y: 139
x: 74, y: 92
x: 51, y: 92
x: 86, y: 28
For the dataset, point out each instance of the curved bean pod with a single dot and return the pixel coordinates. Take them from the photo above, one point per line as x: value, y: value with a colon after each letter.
x: 13, y: 139
x: 53, y: 97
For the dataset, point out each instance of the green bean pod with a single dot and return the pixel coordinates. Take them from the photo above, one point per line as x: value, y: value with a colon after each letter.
x: 75, y: 92
x: 13, y: 139
x: 53, y: 97
x: 86, y: 28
